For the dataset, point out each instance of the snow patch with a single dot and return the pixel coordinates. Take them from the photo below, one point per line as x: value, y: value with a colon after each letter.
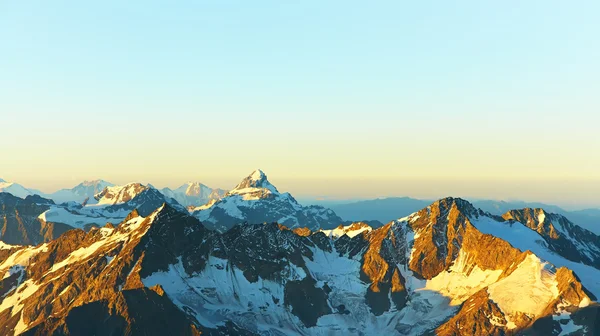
x: 462, y: 279
x: 345, y: 230
x: 4, y: 246
x: 528, y: 289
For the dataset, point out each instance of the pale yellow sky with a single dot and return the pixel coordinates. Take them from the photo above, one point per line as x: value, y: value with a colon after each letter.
x: 353, y: 102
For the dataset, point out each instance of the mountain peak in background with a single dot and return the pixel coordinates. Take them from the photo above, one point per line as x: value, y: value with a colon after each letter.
x: 255, y: 200
x: 96, y: 182
x: 193, y: 194
x: 16, y: 189
x: 194, y: 188
x: 256, y: 180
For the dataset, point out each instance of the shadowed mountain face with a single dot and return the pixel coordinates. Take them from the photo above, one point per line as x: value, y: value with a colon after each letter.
x: 448, y: 269
x: 19, y: 222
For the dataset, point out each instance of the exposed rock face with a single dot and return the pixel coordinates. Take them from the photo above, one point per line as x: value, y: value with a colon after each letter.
x: 380, y: 270
x: 255, y: 200
x: 434, y: 271
x: 444, y: 229
x: 19, y: 222
x: 307, y: 301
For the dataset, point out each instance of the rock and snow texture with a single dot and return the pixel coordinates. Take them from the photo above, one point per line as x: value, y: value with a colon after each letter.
x: 526, y: 239
x: 120, y: 194
x: 255, y: 200
x: 436, y: 271
x: 33, y: 219
x: 561, y: 235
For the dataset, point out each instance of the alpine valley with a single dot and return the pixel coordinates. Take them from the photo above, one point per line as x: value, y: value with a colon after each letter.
x: 104, y: 259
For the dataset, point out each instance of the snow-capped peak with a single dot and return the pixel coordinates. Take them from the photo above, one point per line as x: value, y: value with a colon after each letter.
x: 16, y: 189
x: 256, y: 184
x: 258, y: 175
x: 120, y: 194
x: 195, y: 188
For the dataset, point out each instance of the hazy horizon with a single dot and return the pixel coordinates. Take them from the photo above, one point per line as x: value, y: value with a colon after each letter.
x: 331, y: 99
x: 367, y: 189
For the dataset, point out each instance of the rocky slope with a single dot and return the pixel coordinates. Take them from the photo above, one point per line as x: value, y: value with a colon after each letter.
x: 437, y: 271
x: 255, y: 200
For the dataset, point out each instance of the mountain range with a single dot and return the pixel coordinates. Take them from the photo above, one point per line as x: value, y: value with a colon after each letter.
x: 386, y: 209
x: 255, y: 262
x: 196, y: 196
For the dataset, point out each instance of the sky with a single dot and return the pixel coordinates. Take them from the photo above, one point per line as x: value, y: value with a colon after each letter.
x: 332, y: 99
